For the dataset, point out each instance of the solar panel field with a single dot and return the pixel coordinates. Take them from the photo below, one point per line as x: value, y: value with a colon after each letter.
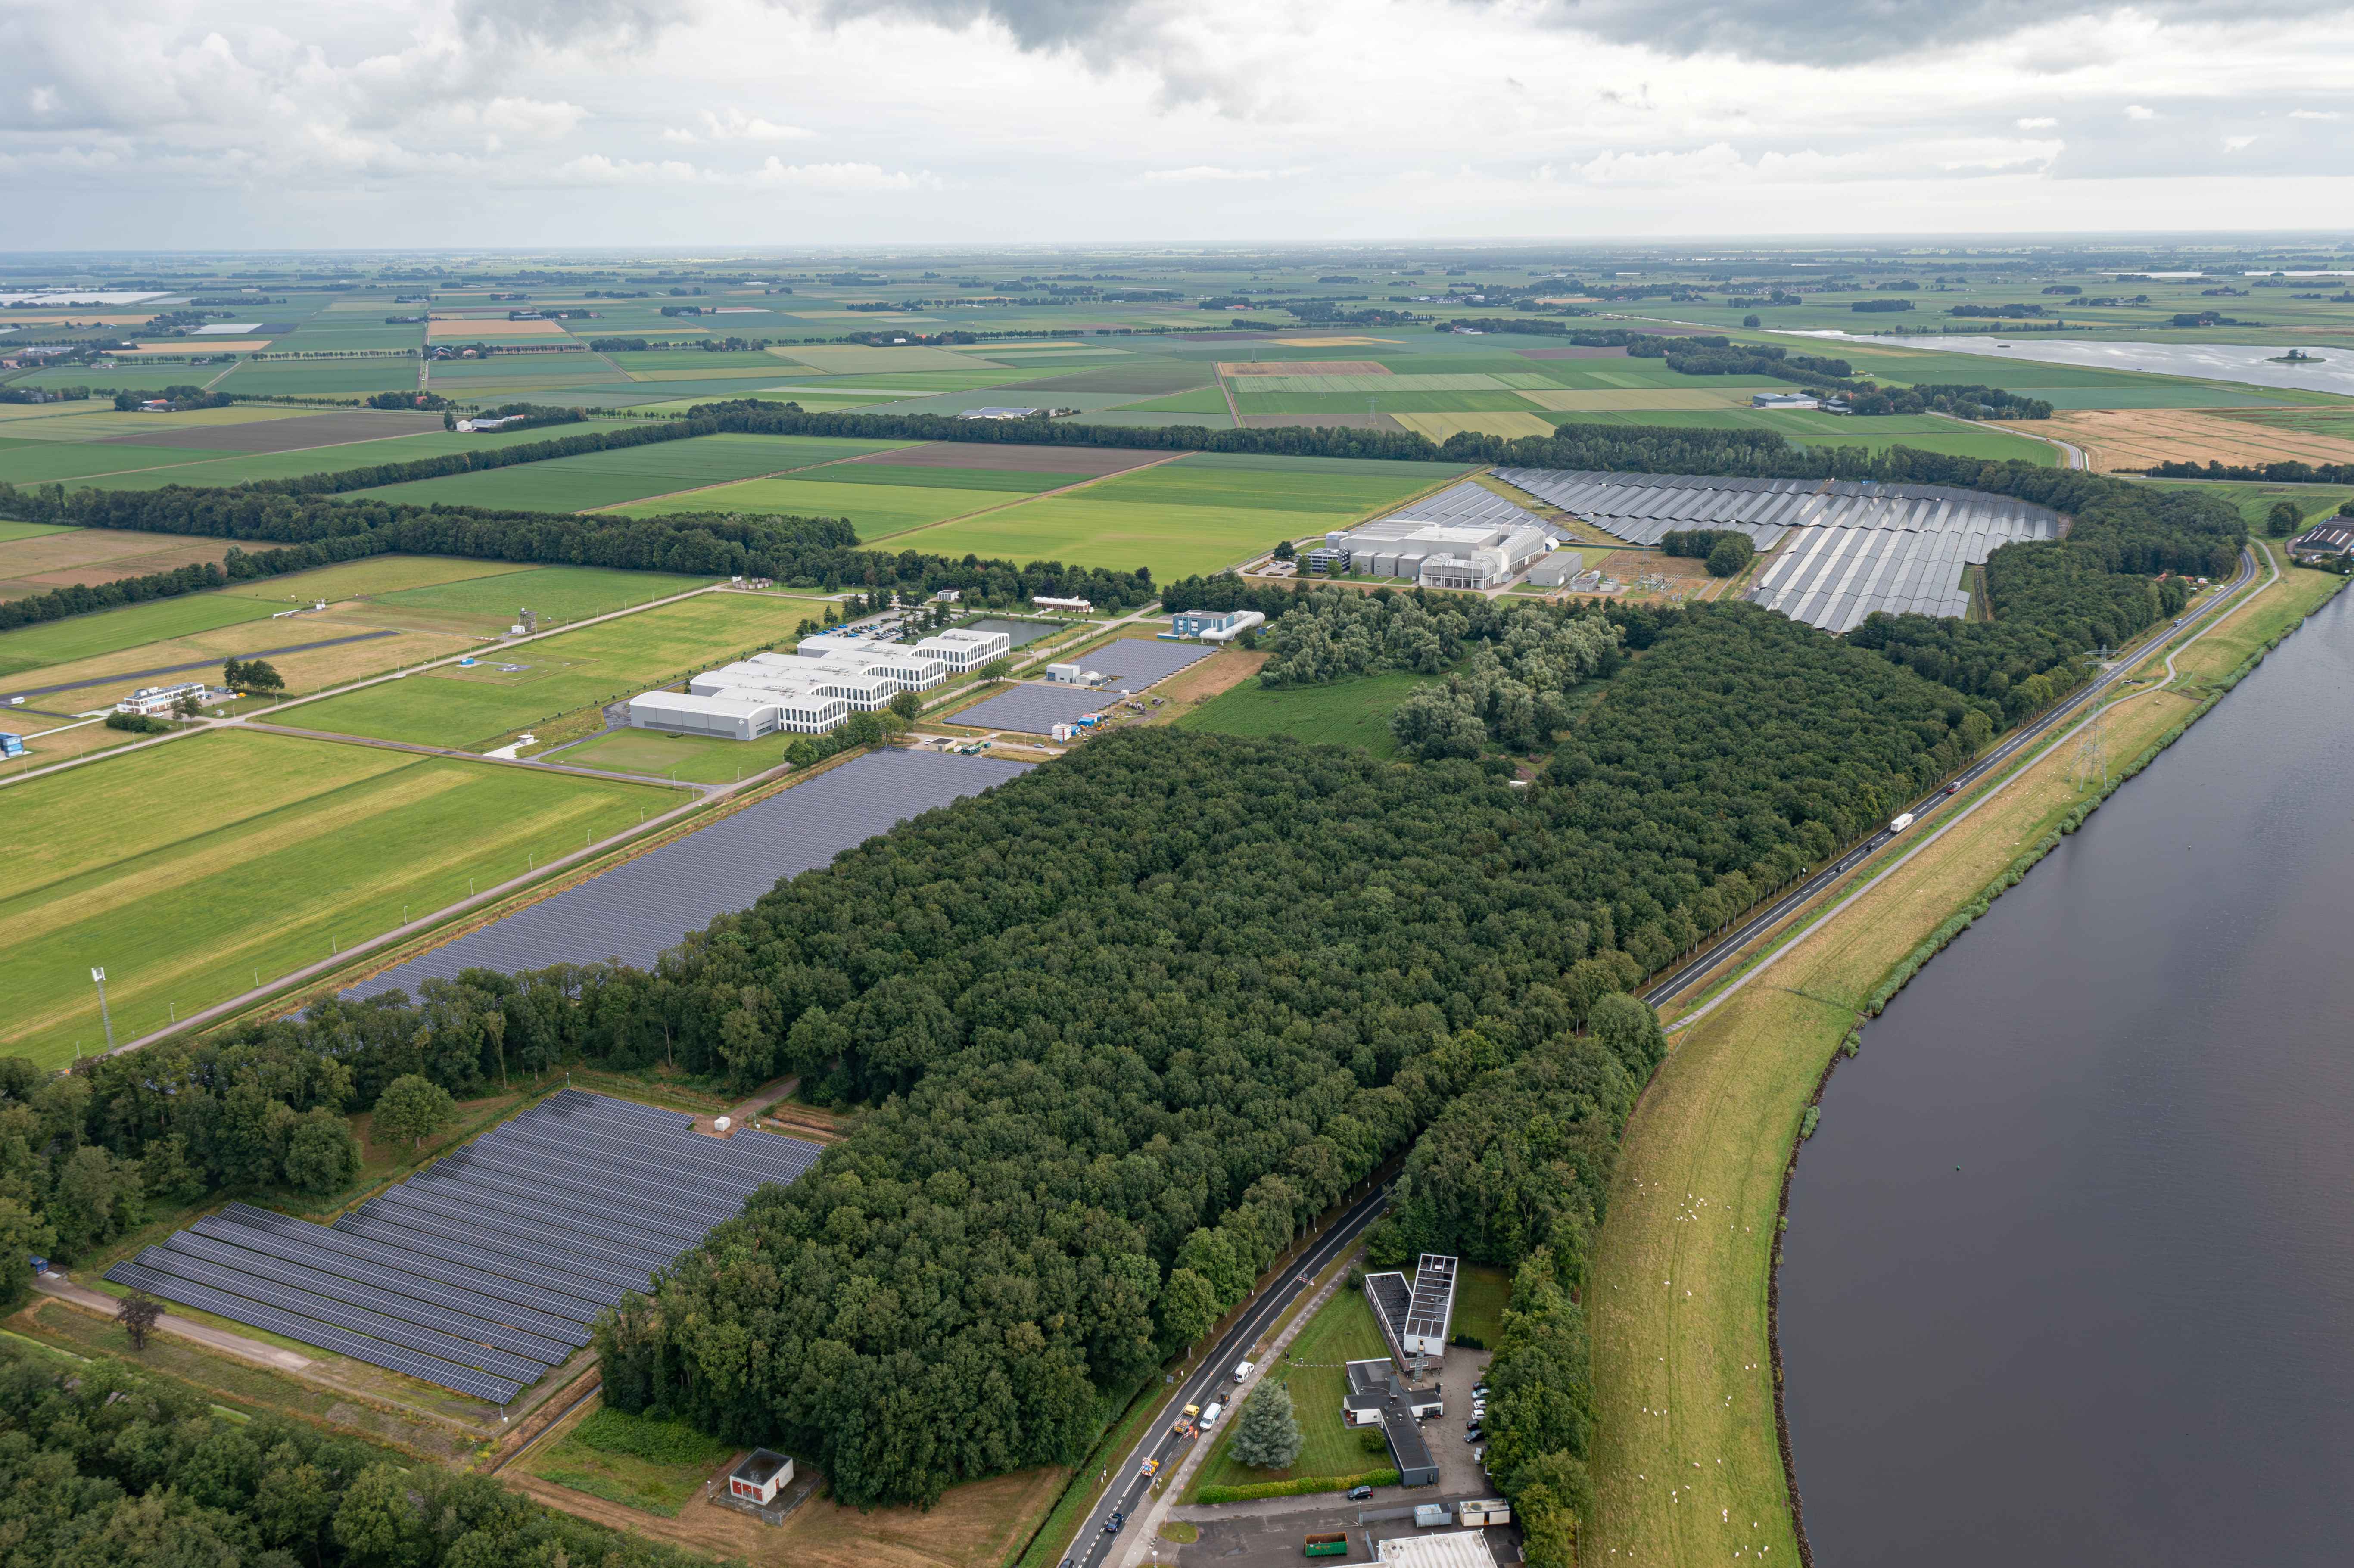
x: 485, y: 1271
x: 188, y: 870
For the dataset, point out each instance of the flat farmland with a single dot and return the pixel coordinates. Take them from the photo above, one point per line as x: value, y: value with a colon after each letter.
x: 689, y: 759
x: 37, y: 563
x: 877, y: 510
x: 1196, y: 515
x: 597, y: 480
x: 2136, y: 439
x: 96, y: 421
x: 557, y: 594
x: 1510, y: 425
x: 113, y: 631
x: 856, y: 359
x: 44, y: 462
x: 280, y: 848
x: 239, y: 468
x: 1248, y: 400
x: 1695, y: 399
x: 614, y: 658
x: 1929, y: 432
x: 9, y: 530
x: 319, y: 378
x: 2255, y: 500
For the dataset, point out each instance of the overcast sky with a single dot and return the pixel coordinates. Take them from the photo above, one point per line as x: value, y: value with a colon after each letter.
x: 233, y: 125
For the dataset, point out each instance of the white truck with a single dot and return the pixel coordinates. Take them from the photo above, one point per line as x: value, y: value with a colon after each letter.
x: 1902, y: 821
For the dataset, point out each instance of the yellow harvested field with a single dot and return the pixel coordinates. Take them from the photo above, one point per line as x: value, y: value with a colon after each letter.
x: 1659, y: 398
x: 1439, y: 426
x: 2134, y: 438
x: 467, y: 328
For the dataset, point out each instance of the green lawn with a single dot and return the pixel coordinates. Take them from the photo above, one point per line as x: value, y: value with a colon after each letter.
x: 111, y: 630
x: 186, y: 868
x: 626, y: 473
x: 1481, y: 1295
x: 44, y: 462
x: 315, y: 378
x: 634, y: 1460
x: 1342, y: 1330
x: 689, y: 759
x: 1345, y: 713
x: 381, y: 575
x: 610, y: 661
x: 27, y: 530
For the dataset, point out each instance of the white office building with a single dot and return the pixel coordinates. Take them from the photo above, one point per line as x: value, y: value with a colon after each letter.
x: 732, y: 716
x: 966, y: 648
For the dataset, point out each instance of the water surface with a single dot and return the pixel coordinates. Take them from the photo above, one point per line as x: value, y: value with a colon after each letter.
x: 2245, y: 363
x: 2070, y: 1273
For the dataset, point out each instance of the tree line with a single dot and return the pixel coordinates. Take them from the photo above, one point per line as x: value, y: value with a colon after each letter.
x: 2289, y: 472
x: 1725, y: 551
x: 805, y: 551
x: 103, y: 1466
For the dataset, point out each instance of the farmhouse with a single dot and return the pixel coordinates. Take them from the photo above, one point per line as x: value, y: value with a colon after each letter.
x: 2334, y: 536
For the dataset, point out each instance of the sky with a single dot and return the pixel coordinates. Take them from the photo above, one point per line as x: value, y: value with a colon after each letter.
x: 162, y: 124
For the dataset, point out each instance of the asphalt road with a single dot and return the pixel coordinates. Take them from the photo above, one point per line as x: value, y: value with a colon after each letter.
x: 1215, y: 1380
x: 1693, y: 971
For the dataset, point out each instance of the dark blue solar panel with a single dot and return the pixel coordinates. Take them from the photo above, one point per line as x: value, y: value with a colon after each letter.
x: 339, y: 1245
x: 326, y: 1336
x: 647, y: 904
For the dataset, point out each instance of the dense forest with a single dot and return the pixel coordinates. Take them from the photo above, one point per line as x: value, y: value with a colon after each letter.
x: 102, y: 1467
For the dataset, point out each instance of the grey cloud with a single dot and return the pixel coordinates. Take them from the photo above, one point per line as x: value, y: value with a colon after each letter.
x: 1846, y: 32
x: 1035, y: 24
x: 560, y: 23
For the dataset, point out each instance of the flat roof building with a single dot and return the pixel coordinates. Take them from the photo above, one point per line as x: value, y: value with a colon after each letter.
x: 1375, y: 1395
x: 1415, y: 1317
x: 966, y: 648
x: 156, y: 702
x: 732, y: 716
x: 1557, y: 570
x: 1449, y: 1549
x: 759, y: 1479
x: 1465, y: 536
x: 1215, y: 625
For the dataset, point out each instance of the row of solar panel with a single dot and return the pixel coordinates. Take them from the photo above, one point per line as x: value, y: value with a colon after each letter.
x: 326, y: 1336
x: 485, y: 1270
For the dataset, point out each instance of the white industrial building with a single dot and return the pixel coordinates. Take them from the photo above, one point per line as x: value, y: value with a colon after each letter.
x: 1213, y: 625
x: 1465, y: 536
x: 957, y: 650
x: 1557, y: 570
x: 731, y: 716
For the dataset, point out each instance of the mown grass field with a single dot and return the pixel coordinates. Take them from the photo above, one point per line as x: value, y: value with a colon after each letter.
x: 9, y: 530
x: 1199, y: 514
x: 626, y: 473
x: 376, y: 575
x: 555, y: 594
x: 131, y: 626
x: 610, y: 661
x: 183, y: 869
x: 877, y: 510
x: 1345, y: 713
x: 1685, y: 1456
x: 1342, y: 1330
x: 689, y: 759
x: 214, y: 468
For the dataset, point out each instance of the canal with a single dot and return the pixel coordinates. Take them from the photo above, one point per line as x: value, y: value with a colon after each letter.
x: 2070, y: 1270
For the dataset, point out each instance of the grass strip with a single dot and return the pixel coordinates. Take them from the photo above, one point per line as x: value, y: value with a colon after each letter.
x: 1304, y: 1487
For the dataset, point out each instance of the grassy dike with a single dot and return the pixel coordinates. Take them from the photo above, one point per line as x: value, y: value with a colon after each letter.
x: 1688, y: 1462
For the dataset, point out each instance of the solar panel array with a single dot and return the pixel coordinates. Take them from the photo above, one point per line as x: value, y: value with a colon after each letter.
x: 1132, y: 663
x: 1467, y: 503
x: 1640, y: 507
x: 485, y: 1269
x: 1833, y: 578
x: 1033, y: 709
x: 643, y: 906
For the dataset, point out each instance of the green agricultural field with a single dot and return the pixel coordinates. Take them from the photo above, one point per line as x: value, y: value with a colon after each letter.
x: 1196, y: 515
x: 689, y: 759
x: 297, y: 846
x: 1332, y: 403
x: 628, y: 473
x: 43, y: 462
x: 380, y: 575
x: 27, y: 530
x: 877, y: 512
x: 1345, y: 713
x: 213, y: 468
x: 1200, y: 401
x: 1342, y: 1330
x: 320, y: 377
x: 1011, y: 483
x: 600, y: 663
x: 131, y: 626
x: 557, y: 594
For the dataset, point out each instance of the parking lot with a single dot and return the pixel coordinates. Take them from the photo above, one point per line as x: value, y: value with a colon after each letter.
x: 1263, y: 1534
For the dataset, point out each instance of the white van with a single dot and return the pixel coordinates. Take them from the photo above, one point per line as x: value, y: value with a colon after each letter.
x: 1211, y: 1412
x: 1243, y: 1370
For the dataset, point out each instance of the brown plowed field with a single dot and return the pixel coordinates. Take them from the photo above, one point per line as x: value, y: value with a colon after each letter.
x: 1302, y: 367
x: 1012, y: 459
x: 2135, y: 439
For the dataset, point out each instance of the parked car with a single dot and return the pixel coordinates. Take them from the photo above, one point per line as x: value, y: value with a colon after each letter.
x: 1360, y: 1494
x: 1474, y: 1435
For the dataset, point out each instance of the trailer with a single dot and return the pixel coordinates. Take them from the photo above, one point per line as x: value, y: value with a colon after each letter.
x: 1327, y: 1543
x: 1485, y: 1512
x: 1902, y: 822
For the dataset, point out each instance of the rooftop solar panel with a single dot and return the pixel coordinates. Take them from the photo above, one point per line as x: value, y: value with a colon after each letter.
x: 648, y: 904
